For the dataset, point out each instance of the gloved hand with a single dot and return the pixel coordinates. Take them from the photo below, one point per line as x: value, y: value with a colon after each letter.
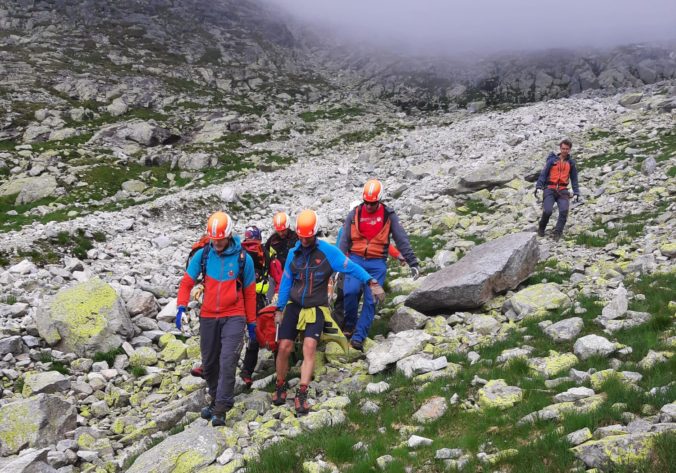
x: 377, y: 291
x: 279, y: 315
x: 576, y: 198
x: 179, y: 316
x: 251, y: 327
x: 536, y: 194
x: 415, y: 272
x: 401, y: 259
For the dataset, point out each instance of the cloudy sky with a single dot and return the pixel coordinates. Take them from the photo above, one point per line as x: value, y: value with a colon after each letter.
x: 491, y: 25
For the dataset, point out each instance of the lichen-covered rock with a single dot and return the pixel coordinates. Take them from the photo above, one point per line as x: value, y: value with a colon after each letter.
x: 46, y: 382
x: 84, y: 319
x: 175, y: 351
x: 553, y: 364
x: 615, y: 450
x: 497, y: 394
x: 143, y: 356
x: 195, y: 447
x: 406, y: 318
x: 556, y: 411
x: 36, y: 422
x: 537, y: 300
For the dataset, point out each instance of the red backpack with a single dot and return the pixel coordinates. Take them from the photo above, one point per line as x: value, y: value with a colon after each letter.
x: 266, y: 330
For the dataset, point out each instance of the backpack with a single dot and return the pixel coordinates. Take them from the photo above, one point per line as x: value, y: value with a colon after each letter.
x: 204, y: 243
x: 266, y: 330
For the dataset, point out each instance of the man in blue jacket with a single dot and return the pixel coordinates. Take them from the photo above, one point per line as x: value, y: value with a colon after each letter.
x: 558, y: 171
x: 303, y: 302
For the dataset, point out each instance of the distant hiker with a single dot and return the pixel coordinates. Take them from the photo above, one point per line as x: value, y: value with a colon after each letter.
x: 366, y: 238
x: 229, y: 307
x: 303, y: 300
x: 558, y: 170
x: 253, y: 245
x: 278, y: 245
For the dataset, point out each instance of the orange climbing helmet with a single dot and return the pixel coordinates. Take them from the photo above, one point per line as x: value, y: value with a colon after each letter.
x: 373, y: 191
x: 219, y: 226
x: 307, y: 224
x: 280, y: 221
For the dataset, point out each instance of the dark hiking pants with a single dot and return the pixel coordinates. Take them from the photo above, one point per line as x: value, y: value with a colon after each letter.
x: 562, y: 200
x: 221, y: 344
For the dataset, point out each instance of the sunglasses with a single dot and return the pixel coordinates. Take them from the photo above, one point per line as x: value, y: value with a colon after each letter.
x: 371, y: 204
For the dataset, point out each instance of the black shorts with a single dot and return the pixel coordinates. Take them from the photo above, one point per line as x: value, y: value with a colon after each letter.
x: 288, y: 330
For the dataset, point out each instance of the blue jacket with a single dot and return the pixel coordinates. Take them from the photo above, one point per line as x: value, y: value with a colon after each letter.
x: 544, y: 175
x: 223, y: 296
x: 307, y: 271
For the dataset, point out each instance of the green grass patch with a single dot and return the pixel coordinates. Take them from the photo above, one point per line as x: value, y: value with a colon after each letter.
x: 672, y: 171
x: 471, y: 206
x: 108, y: 356
x: 138, y: 370
x: 335, y: 113
x: 427, y: 246
x: 548, y: 271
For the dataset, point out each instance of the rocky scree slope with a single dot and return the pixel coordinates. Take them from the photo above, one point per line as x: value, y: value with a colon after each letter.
x: 585, y: 342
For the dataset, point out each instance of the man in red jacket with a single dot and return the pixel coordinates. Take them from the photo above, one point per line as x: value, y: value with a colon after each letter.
x: 229, y: 306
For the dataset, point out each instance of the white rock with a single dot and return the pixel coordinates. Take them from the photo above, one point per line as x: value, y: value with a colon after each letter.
x: 591, y: 345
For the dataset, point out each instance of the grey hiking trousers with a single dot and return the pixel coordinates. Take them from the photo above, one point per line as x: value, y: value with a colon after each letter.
x: 221, y: 342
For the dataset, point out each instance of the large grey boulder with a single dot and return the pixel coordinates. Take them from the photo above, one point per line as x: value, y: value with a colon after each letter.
x: 32, y: 462
x: 36, y: 188
x: 198, y: 445
x: 397, y: 346
x: 36, y: 422
x: 489, y: 269
x: 483, y: 178
x: 144, y: 133
x: 84, y: 319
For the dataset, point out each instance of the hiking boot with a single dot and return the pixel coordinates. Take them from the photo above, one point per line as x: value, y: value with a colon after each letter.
x: 197, y: 372
x: 246, y: 379
x: 218, y: 420
x: 556, y: 236
x: 279, y: 396
x: 207, y: 412
x: 357, y: 345
x: 348, y: 332
x: 301, y: 404
x: 541, y: 232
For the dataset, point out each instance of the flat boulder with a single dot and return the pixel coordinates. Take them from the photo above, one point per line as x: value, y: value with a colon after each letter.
x: 36, y: 422
x: 397, y: 346
x: 483, y: 178
x: 86, y: 318
x: 616, y: 450
x: 536, y: 300
x: 197, y: 446
x: 489, y: 269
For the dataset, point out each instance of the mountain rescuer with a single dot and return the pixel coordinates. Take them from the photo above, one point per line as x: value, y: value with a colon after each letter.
x: 558, y: 170
x: 303, y: 302
x: 278, y: 245
x: 229, y: 307
x: 366, y: 238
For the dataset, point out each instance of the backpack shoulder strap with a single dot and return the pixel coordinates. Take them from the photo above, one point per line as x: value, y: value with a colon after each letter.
x: 241, y: 260
x: 203, y: 260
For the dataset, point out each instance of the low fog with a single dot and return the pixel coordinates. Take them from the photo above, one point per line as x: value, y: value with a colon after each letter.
x: 487, y: 26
